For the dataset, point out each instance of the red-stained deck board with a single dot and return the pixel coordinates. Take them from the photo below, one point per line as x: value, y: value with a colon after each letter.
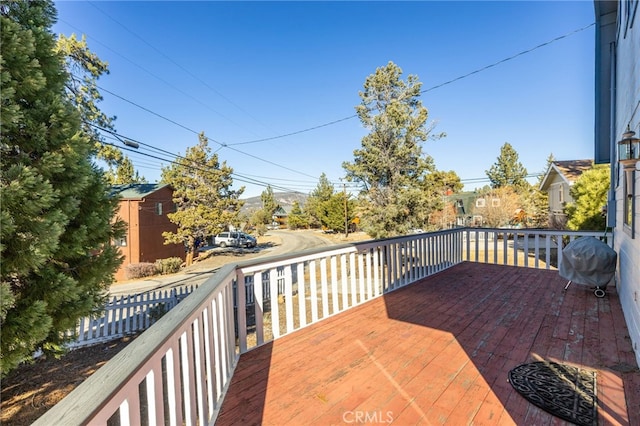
x: 438, y: 352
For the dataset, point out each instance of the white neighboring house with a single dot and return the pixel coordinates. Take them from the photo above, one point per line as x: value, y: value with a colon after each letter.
x: 557, y: 183
x: 617, y: 104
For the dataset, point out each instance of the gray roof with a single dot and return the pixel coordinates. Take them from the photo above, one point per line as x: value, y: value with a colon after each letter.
x: 136, y: 191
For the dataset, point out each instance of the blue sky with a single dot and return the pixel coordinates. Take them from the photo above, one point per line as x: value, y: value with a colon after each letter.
x: 247, y: 71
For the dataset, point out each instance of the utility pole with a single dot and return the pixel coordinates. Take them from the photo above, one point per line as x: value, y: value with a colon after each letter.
x: 346, y: 214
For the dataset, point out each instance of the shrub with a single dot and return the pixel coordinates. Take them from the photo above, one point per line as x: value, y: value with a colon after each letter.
x: 261, y: 229
x: 141, y: 270
x: 157, y: 312
x: 169, y: 265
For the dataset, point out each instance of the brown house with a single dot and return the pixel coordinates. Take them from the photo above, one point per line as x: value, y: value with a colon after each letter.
x: 144, y: 208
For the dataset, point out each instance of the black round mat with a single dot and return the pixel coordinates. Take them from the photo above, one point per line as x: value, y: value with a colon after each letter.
x: 563, y: 390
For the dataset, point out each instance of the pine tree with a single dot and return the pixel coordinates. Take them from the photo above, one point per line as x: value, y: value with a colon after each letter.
x: 205, y: 202
x: 85, y: 68
x: 390, y: 164
x: 56, y: 220
x: 314, y: 206
x: 536, y: 202
x: 507, y: 171
x: 333, y: 212
x: 269, y: 204
x: 297, y: 219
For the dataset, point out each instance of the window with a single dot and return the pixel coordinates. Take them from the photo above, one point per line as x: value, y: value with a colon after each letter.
x: 159, y: 209
x: 629, y: 203
x: 480, y: 203
x: 495, y: 202
x: 561, y: 195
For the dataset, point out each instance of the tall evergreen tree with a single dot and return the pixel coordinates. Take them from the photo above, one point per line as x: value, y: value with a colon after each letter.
x: 85, y: 68
x: 205, y: 202
x: 297, y: 218
x: 316, y: 200
x: 390, y: 164
x: 334, y: 215
x: 536, y: 202
x: 269, y: 203
x: 56, y: 216
x: 508, y: 170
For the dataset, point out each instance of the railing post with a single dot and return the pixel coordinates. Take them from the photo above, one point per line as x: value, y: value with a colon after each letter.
x: 241, y: 311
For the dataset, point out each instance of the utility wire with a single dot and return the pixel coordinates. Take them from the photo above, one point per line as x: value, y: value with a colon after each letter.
x: 238, y: 176
x: 190, y: 166
x: 229, y: 146
x: 251, y: 179
x: 184, y: 69
x: 155, y: 76
x: 222, y: 144
x: 502, y: 61
x: 330, y: 123
x: 429, y: 89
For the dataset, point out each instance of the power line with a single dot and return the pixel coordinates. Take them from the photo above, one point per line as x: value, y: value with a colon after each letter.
x: 229, y: 146
x: 524, y: 52
x: 251, y: 179
x: 238, y: 177
x: 426, y: 90
x: 154, y: 75
x: 185, y: 70
x: 296, y: 132
x: 330, y: 123
x: 222, y: 144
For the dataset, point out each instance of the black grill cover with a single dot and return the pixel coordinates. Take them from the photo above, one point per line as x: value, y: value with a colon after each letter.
x: 588, y: 261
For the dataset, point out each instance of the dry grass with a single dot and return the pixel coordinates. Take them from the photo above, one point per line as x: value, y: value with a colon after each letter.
x: 29, y: 391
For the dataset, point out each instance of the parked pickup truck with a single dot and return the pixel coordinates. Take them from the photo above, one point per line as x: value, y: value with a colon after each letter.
x: 234, y: 239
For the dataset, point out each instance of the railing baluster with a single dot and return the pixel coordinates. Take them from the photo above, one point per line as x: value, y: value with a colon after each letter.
x: 323, y: 287
x: 258, y: 307
x: 241, y: 310
x: 302, y: 295
x: 288, y: 298
x: 354, y: 276
x: 275, y: 306
x: 198, y: 367
x: 313, y: 289
x: 334, y: 285
x: 361, y: 278
x: 208, y: 360
x: 343, y: 281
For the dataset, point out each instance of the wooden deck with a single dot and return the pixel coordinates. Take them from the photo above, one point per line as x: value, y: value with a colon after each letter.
x: 438, y: 352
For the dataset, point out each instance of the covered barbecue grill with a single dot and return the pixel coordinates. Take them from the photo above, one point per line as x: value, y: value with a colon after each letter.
x: 588, y: 261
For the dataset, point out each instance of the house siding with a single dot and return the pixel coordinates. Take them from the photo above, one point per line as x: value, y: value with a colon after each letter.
x: 556, y: 201
x: 144, y: 228
x: 152, y: 225
x: 627, y: 113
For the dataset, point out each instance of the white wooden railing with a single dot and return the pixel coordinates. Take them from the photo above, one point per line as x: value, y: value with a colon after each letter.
x: 125, y: 315
x: 530, y: 248
x: 177, y: 371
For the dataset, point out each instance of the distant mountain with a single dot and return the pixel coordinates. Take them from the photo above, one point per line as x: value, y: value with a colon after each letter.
x: 284, y: 199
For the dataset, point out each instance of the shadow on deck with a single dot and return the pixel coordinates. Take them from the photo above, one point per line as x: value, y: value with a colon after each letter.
x: 438, y: 352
